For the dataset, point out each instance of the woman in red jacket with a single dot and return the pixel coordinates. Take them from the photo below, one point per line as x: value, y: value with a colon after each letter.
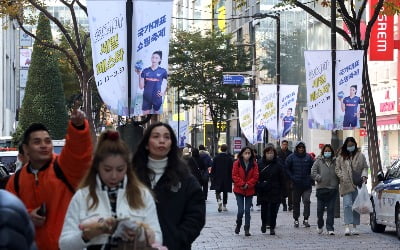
x: 245, y: 177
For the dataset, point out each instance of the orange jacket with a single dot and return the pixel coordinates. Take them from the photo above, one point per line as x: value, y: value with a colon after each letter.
x: 74, y: 161
x: 240, y: 177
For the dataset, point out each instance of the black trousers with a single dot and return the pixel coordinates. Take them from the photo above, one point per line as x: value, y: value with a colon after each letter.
x: 224, y: 196
x: 269, y: 212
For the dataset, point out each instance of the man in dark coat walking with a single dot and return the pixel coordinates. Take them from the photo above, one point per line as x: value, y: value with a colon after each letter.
x: 221, y: 177
x: 283, y: 153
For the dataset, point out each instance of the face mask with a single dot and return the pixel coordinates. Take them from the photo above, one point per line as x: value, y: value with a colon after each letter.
x: 351, y: 149
x: 269, y: 156
x: 327, y: 154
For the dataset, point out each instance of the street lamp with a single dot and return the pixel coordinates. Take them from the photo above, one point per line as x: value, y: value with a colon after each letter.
x: 277, y: 18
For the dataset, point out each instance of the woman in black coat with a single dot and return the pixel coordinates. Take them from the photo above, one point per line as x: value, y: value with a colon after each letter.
x: 179, y: 198
x: 270, y: 187
x: 221, y: 177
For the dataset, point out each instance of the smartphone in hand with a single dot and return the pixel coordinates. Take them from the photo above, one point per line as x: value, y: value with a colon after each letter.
x: 42, y: 210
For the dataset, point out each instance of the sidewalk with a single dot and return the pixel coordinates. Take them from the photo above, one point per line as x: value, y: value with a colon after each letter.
x: 218, y: 232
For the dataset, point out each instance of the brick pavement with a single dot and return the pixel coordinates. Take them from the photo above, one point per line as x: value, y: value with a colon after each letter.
x: 218, y: 232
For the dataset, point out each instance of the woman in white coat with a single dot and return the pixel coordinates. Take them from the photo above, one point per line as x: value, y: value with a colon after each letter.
x: 109, y: 193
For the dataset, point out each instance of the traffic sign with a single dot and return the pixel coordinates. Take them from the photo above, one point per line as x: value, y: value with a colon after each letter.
x: 233, y: 79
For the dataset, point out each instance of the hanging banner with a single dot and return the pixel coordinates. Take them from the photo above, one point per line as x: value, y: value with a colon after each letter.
x: 151, y: 29
x: 287, y: 106
x: 182, y: 134
x: 349, y: 67
x: 245, y: 108
x: 109, y: 52
x: 381, y: 47
x: 259, y: 122
x: 319, y: 89
x: 268, y: 106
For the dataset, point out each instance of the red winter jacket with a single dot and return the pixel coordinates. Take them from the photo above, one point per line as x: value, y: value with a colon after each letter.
x: 240, y: 178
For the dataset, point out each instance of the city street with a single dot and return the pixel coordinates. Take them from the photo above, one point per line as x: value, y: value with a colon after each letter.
x: 218, y: 232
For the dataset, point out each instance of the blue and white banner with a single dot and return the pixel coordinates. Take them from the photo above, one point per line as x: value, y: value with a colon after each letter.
x: 349, y: 68
x: 259, y: 122
x: 268, y: 106
x: 151, y: 32
x: 319, y: 89
x: 245, y: 108
x: 181, y: 134
x: 287, y: 106
x: 108, y: 31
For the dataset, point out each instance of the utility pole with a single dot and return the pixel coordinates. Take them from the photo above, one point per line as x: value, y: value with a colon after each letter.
x: 277, y: 18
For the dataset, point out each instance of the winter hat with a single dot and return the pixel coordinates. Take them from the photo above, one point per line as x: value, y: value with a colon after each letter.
x: 300, y: 143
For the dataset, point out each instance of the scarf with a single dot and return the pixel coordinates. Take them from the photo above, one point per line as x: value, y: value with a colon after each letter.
x: 158, y: 167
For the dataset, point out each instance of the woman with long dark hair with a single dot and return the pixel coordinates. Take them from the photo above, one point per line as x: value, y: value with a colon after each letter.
x: 179, y: 198
x: 352, y: 170
x: 109, y: 192
x: 245, y: 177
x: 270, y: 187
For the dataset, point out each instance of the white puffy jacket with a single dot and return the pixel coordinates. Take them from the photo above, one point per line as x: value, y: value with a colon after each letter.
x: 71, y: 235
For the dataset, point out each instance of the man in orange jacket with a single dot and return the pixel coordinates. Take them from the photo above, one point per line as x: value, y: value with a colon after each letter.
x: 45, y: 184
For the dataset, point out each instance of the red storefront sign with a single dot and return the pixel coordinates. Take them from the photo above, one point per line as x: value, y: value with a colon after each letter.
x: 363, y: 132
x: 381, y: 40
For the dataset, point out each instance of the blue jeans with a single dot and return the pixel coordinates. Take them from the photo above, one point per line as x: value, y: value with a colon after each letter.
x: 243, y: 204
x: 350, y: 216
x: 330, y: 211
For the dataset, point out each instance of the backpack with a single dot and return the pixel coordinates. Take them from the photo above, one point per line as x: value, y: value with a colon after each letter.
x: 59, y: 174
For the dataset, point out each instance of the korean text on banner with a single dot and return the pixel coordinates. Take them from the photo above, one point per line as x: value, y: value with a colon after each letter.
x: 109, y: 52
x: 245, y: 108
x: 151, y: 32
x: 319, y: 89
x: 349, y: 67
x: 268, y: 99
x: 287, y: 106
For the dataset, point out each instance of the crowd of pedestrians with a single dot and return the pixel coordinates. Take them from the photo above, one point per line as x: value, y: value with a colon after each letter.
x: 155, y: 196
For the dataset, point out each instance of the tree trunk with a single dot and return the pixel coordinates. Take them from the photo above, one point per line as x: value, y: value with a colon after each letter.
x: 372, y: 132
x: 87, y: 102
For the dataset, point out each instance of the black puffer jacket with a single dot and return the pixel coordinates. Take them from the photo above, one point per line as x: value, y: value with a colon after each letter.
x: 16, y: 228
x: 298, y: 168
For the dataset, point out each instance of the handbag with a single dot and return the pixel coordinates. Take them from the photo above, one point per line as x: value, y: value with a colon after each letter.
x: 356, y: 176
x: 325, y: 194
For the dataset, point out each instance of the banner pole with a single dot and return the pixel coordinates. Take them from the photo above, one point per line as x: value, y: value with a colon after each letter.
x: 129, y: 14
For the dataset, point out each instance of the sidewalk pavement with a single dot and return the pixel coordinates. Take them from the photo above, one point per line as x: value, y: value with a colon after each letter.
x: 218, y: 232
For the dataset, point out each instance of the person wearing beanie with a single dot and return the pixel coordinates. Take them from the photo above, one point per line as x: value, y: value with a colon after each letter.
x: 298, y: 167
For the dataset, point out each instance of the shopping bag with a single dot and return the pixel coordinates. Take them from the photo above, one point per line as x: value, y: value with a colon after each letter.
x: 362, y: 203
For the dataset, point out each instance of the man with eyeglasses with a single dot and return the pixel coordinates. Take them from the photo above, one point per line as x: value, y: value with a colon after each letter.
x: 298, y: 168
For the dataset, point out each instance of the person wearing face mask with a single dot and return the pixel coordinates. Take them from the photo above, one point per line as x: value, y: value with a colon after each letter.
x: 323, y: 172
x: 270, y: 187
x: 245, y: 177
x: 352, y: 170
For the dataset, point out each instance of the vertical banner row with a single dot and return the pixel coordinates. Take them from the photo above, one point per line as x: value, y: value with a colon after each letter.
x: 108, y: 33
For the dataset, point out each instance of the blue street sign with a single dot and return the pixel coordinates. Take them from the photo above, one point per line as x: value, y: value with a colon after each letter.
x: 233, y: 79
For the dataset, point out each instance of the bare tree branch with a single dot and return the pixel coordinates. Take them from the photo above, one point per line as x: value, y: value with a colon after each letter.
x: 57, y: 22
x: 70, y: 58
x: 322, y: 20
